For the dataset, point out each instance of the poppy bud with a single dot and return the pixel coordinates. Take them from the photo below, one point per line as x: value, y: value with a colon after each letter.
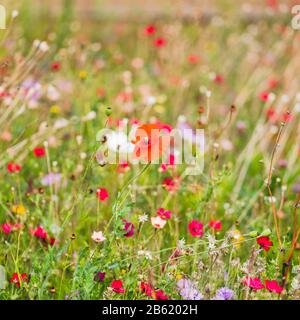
x: 266, y: 232
x: 253, y: 234
x: 108, y: 111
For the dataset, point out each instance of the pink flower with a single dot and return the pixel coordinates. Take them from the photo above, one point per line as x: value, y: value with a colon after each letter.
x: 117, y: 286
x: 196, y: 228
x: 102, y: 194
x: 253, y: 283
x: 273, y: 286
x: 98, y: 236
x: 164, y: 214
x: 160, y: 295
x: 216, y: 225
x: 129, y: 227
x: 158, y: 222
x: 171, y: 184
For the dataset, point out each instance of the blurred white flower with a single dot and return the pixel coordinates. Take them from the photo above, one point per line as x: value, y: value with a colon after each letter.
x: 118, y: 142
x: 98, y: 236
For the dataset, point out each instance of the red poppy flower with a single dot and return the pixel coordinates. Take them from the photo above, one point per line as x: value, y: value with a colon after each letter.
x: 164, y: 214
x: 55, y: 66
x: 271, y: 114
x: 273, y: 83
x: 160, y: 42
x: 129, y: 227
x: 160, y: 295
x: 13, y: 167
x: 216, y: 225
x: 196, y: 228
x: 193, y: 59
x: 52, y: 241
x: 218, y: 79
x: 265, y: 243
x: 102, y: 194
x: 273, y: 286
x: 122, y: 167
x: 253, y: 283
x: 39, y: 152
x: 100, y: 93
x: 264, y: 96
x: 117, y: 286
x: 286, y: 117
x: 18, y: 279
x: 150, y: 142
x: 6, y: 228
x: 149, y: 30
x: 147, y: 289
x: 171, y: 184
x: 39, y: 232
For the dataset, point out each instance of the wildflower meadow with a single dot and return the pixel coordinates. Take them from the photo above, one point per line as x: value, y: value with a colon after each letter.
x: 149, y: 151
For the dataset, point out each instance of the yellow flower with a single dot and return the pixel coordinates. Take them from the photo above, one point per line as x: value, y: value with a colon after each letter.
x: 123, y: 271
x: 55, y: 109
x: 19, y: 209
x: 178, y: 276
x: 236, y: 237
x: 159, y: 108
x: 82, y: 74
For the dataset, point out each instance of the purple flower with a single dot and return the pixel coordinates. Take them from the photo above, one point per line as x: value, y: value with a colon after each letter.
x: 296, y: 188
x: 51, y: 179
x: 224, y: 294
x: 99, y: 277
x: 188, y: 290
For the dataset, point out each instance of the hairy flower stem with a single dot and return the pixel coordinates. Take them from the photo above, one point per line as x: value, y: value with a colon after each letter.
x: 269, y: 183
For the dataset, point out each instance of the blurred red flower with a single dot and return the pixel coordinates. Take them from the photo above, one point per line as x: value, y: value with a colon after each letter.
x: 18, y: 279
x: 273, y: 286
x: 216, y: 225
x: 40, y: 232
x: 13, y: 167
x: 149, y: 30
x: 149, y: 142
x: 160, y: 295
x: 218, y: 79
x: 160, y: 42
x: 117, y: 286
x: 264, y: 96
x: 265, y: 243
x: 55, y: 66
x: 147, y: 289
x: 39, y: 152
x: 171, y: 184
x: 196, y: 228
x: 193, y: 59
x: 102, y: 194
x: 6, y: 228
x: 253, y: 283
